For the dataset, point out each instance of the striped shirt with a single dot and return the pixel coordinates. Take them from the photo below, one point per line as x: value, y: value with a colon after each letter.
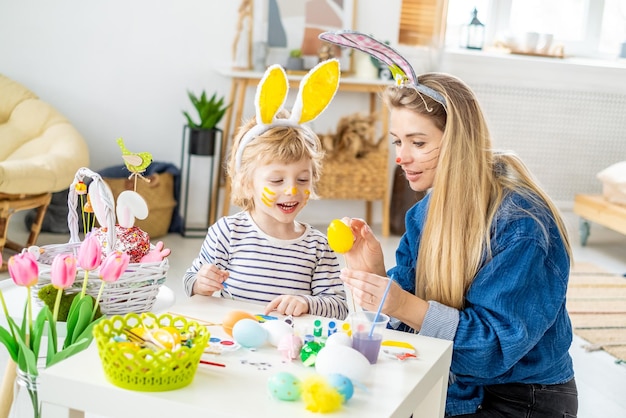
x: 262, y: 267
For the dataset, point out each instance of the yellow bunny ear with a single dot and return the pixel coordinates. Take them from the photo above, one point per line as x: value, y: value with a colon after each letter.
x: 317, y: 89
x: 271, y: 94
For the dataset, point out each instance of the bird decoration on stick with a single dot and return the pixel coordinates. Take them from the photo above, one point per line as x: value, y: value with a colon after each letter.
x: 136, y: 162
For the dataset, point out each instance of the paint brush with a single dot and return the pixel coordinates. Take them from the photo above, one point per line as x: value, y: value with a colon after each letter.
x: 380, y: 307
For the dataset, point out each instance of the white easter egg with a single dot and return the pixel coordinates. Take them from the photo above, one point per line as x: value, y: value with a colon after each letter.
x: 249, y: 333
x: 340, y: 338
x: 276, y: 330
x: 337, y: 358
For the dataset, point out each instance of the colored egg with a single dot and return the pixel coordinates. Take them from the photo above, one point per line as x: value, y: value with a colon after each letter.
x: 340, y: 237
x: 276, y: 330
x: 343, y: 385
x: 231, y: 319
x: 169, y: 340
x: 343, y: 360
x: 284, y: 386
x: 249, y: 333
x: 289, y: 346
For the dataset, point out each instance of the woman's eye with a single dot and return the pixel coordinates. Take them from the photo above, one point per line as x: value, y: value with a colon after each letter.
x: 396, y: 142
x: 419, y: 144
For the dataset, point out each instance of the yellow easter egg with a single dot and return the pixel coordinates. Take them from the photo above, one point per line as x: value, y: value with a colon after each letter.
x: 167, y: 339
x: 340, y: 237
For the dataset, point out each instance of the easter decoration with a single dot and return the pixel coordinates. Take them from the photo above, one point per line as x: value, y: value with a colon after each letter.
x: 150, y: 353
x: 136, y: 162
x: 340, y: 236
x: 320, y: 393
x: 137, y: 288
x: 400, y: 68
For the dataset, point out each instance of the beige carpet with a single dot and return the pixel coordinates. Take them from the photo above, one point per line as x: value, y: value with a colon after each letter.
x: 596, y: 301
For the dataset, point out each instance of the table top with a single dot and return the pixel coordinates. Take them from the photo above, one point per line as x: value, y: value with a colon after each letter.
x: 240, y: 388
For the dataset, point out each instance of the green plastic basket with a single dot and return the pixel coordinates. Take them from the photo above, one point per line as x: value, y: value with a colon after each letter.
x: 144, y: 369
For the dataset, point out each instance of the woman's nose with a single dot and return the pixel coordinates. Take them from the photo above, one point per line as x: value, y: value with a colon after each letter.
x: 291, y: 190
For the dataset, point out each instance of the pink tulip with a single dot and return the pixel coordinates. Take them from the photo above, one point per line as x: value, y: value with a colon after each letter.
x: 90, y: 253
x: 23, y: 269
x: 111, y: 270
x: 63, y: 271
x: 114, y: 266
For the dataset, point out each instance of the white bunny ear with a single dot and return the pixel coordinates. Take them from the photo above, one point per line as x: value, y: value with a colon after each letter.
x: 317, y: 90
x: 271, y: 94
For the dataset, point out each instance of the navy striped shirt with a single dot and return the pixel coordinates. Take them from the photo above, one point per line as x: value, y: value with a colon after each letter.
x: 262, y: 267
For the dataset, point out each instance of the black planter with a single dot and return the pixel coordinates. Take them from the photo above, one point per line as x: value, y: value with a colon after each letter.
x: 202, y: 141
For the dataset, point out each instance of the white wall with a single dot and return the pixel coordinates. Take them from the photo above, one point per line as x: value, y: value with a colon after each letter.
x: 121, y: 68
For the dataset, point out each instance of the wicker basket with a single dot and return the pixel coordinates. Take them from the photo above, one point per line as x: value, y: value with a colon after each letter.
x: 363, y: 178
x: 144, y: 369
x: 137, y: 288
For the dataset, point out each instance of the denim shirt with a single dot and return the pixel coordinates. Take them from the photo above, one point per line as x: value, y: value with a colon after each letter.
x: 514, y: 327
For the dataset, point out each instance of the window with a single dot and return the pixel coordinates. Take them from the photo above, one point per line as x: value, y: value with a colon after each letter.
x: 591, y: 28
x: 421, y: 22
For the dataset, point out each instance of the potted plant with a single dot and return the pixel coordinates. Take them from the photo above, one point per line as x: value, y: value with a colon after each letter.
x: 295, y: 61
x: 211, y: 111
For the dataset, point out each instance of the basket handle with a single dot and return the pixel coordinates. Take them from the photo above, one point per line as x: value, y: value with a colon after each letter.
x: 107, y: 198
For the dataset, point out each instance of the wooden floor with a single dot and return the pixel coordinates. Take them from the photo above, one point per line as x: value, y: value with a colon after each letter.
x: 601, y: 382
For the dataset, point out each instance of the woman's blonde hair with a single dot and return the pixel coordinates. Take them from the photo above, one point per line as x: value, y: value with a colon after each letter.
x: 469, y: 185
x: 283, y: 144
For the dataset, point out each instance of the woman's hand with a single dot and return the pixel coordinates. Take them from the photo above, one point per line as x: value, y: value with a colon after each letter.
x: 368, y: 289
x: 366, y: 253
x: 209, y: 280
x: 288, y: 305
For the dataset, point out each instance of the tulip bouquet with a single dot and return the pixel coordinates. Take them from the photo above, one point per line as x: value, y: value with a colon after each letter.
x: 23, y: 342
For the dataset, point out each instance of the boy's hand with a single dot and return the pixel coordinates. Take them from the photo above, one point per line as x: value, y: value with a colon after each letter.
x: 288, y: 305
x: 209, y: 280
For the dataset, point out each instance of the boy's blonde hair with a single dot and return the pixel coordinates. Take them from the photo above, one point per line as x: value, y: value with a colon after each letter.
x: 283, y: 144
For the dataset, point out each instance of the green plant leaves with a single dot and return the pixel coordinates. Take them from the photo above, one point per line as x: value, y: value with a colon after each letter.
x: 210, y: 111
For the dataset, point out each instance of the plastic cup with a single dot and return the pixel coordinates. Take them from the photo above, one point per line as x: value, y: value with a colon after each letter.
x: 361, y: 324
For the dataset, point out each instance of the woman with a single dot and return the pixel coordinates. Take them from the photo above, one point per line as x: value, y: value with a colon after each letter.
x: 484, y: 261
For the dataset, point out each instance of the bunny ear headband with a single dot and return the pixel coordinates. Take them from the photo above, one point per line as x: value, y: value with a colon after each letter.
x: 317, y: 89
x: 400, y: 68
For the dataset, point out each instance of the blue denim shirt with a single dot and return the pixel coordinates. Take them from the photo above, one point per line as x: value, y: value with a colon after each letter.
x: 514, y: 328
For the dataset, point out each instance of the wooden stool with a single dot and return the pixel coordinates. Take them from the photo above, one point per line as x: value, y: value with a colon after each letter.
x: 11, y: 203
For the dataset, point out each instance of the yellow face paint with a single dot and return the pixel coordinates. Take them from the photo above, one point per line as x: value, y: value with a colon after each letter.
x: 268, y: 197
x: 292, y: 191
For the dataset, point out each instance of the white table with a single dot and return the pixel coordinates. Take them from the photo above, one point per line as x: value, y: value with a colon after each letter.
x: 394, y: 388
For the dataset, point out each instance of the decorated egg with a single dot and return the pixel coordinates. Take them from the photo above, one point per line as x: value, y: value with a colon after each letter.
x: 340, y: 338
x: 249, y: 333
x: 276, y: 330
x: 289, y: 346
x: 232, y: 318
x: 343, y: 360
x: 284, y: 386
x: 168, y: 337
x: 342, y: 384
x: 340, y: 237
